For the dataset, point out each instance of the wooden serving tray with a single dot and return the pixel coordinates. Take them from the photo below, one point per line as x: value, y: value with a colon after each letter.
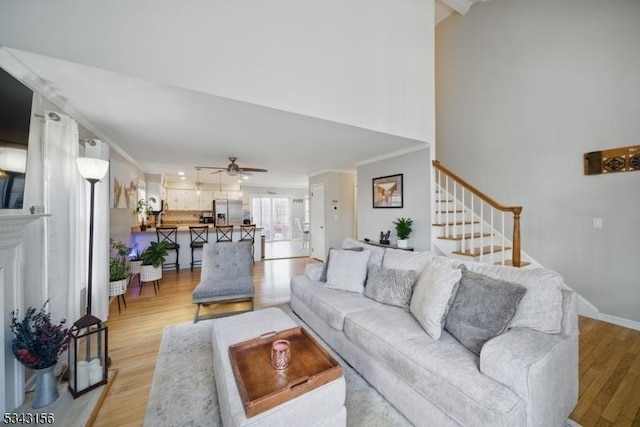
x: 263, y: 387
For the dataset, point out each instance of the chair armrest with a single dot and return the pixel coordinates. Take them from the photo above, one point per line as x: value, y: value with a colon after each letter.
x: 541, y: 368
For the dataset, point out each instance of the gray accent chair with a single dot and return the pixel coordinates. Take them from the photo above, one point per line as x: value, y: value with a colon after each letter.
x: 226, y: 276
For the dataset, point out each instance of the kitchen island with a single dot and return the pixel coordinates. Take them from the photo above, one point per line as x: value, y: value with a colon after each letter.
x: 143, y: 238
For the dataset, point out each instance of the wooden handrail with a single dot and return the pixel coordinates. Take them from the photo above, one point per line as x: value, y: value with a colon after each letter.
x: 516, y: 210
x: 475, y: 191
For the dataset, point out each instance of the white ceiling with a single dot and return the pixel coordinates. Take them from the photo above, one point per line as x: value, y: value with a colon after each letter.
x: 139, y: 78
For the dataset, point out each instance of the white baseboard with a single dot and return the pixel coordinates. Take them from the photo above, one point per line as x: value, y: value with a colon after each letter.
x: 585, y: 308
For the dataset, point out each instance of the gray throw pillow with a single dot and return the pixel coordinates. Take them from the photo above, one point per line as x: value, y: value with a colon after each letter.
x: 323, y: 276
x: 390, y: 286
x: 482, y: 309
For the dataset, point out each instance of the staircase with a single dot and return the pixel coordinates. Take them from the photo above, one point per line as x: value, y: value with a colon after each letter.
x: 471, y: 226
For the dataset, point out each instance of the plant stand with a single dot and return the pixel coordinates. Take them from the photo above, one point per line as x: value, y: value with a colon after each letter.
x: 149, y: 273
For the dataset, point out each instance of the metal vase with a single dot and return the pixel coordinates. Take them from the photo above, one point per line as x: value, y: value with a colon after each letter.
x: 46, y: 388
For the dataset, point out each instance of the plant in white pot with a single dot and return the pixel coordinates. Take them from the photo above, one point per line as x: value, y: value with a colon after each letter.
x: 135, y: 261
x: 118, y: 270
x: 403, y: 231
x: 152, y: 259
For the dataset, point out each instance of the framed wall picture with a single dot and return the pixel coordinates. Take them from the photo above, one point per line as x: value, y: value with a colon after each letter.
x: 387, y: 192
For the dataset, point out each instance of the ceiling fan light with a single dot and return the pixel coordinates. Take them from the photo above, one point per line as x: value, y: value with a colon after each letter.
x: 232, y: 172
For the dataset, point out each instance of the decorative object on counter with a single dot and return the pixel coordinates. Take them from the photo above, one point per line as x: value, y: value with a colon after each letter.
x: 280, y: 354
x: 169, y: 236
x: 384, y: 237
x: 118, y: 271
x: 88, y: 334
x: 37, y: 343
x: 387, y: 192
x: 144, y: 211
x: 152, y: 259
x: 403, y: 231
x: 199, y: 236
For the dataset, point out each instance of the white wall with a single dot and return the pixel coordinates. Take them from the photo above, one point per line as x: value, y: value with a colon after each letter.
x: 524, y: 88
x: 416, y: 170
x: 339, y: 190
x: 367, y: 63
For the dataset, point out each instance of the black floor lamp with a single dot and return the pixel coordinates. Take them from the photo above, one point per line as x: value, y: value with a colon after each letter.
x: 88, y: 350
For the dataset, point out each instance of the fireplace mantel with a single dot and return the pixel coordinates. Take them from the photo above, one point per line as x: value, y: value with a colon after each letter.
x: 12, y: 242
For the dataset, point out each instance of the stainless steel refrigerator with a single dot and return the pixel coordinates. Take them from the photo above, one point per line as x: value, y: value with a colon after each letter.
x: 227, y: 211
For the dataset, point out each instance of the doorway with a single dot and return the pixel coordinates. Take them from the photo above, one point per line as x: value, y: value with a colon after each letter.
x: 317, y: 229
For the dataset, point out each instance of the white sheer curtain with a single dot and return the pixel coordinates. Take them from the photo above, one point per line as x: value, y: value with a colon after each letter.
x: 66, y: 198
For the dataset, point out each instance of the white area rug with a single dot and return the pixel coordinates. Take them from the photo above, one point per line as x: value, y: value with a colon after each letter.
x: 183, y: 391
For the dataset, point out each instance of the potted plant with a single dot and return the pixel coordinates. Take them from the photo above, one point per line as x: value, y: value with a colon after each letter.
x: 152, y: 259
x: 37, y: 343
x: 118, y: 269
x: 135, y: 262
x: 403, y: 231
x: 144, y: 211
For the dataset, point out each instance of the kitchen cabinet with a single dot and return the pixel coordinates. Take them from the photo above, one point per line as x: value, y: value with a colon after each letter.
x: 156, y: 189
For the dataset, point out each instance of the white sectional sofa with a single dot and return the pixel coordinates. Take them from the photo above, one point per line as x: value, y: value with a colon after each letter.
x: 527, y: 375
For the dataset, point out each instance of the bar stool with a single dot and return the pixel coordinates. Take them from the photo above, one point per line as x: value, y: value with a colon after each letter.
x: 224, y: 233
x: 169, y: 235
x: 248, y: 234
x: 199, y: 236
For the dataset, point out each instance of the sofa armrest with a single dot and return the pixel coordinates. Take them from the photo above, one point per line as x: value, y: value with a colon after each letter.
x: 541, y: 368
x: 313, y: 271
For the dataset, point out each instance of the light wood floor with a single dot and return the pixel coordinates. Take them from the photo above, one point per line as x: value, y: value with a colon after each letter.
x: 609, y: 354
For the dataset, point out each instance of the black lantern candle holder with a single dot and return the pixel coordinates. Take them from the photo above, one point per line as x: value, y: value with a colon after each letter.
x: 88, y: 349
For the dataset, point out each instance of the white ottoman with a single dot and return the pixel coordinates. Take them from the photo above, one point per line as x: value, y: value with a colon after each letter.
x: 323, y: 406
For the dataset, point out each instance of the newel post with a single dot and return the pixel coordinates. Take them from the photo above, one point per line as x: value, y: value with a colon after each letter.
x: 516, y: 236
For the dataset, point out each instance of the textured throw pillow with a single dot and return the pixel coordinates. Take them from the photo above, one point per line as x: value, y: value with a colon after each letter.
x: 482, y: 309
x: 433, y: 295
x: 541, y: 307
x: 323, y: 276
x: 347, y: 270
x: 390, y: 286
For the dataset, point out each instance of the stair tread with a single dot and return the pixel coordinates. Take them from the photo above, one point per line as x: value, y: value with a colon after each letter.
x: 450, y: 211
x: 473, y: 252
x: 456, y: 223
x: 466, y: 236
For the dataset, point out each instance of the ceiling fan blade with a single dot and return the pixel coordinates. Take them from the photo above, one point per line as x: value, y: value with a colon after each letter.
x: 253, y: 170
x: 218, y: 171
x: 210, y: 167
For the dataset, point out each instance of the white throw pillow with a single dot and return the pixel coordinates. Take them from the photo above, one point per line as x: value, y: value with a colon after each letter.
x: 376, y: 253
x: 432, y: 294
x: 347, y: 270
x: 541, y: 307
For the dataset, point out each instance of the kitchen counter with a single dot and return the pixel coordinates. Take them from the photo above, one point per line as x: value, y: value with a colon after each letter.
x: 143, y: 238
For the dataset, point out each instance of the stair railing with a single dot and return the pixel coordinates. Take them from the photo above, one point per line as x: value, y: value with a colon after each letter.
x: 463, y: 196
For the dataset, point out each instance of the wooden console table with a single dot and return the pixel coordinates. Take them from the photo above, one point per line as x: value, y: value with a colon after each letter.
x: 374, y: 243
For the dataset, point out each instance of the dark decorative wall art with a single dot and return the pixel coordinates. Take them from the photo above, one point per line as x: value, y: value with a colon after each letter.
x: 623, y: 159
x: 387, y: 192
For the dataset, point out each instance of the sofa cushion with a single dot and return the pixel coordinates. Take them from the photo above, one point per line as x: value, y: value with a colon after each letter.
x: 376, y: 253
x: 541, y: 307
x: 347, y: 270
x: 406, y: 260
x: 482, y: 309
x: 323, y: 276
x: 442, y: 370
x: 433, y: 295
x: 330, y: 305
x: 390, y: 286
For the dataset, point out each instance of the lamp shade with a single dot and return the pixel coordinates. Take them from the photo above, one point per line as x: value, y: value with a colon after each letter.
x: 91, y: 168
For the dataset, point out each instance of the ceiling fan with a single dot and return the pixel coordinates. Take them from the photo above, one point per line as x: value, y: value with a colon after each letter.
x: 233, y: 169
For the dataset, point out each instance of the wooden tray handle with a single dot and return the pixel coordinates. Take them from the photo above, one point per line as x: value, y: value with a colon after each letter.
x: 267, y: 334
x: 297, y: 383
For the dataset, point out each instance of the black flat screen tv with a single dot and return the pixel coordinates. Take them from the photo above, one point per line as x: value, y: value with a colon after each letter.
x: 15, y: 119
